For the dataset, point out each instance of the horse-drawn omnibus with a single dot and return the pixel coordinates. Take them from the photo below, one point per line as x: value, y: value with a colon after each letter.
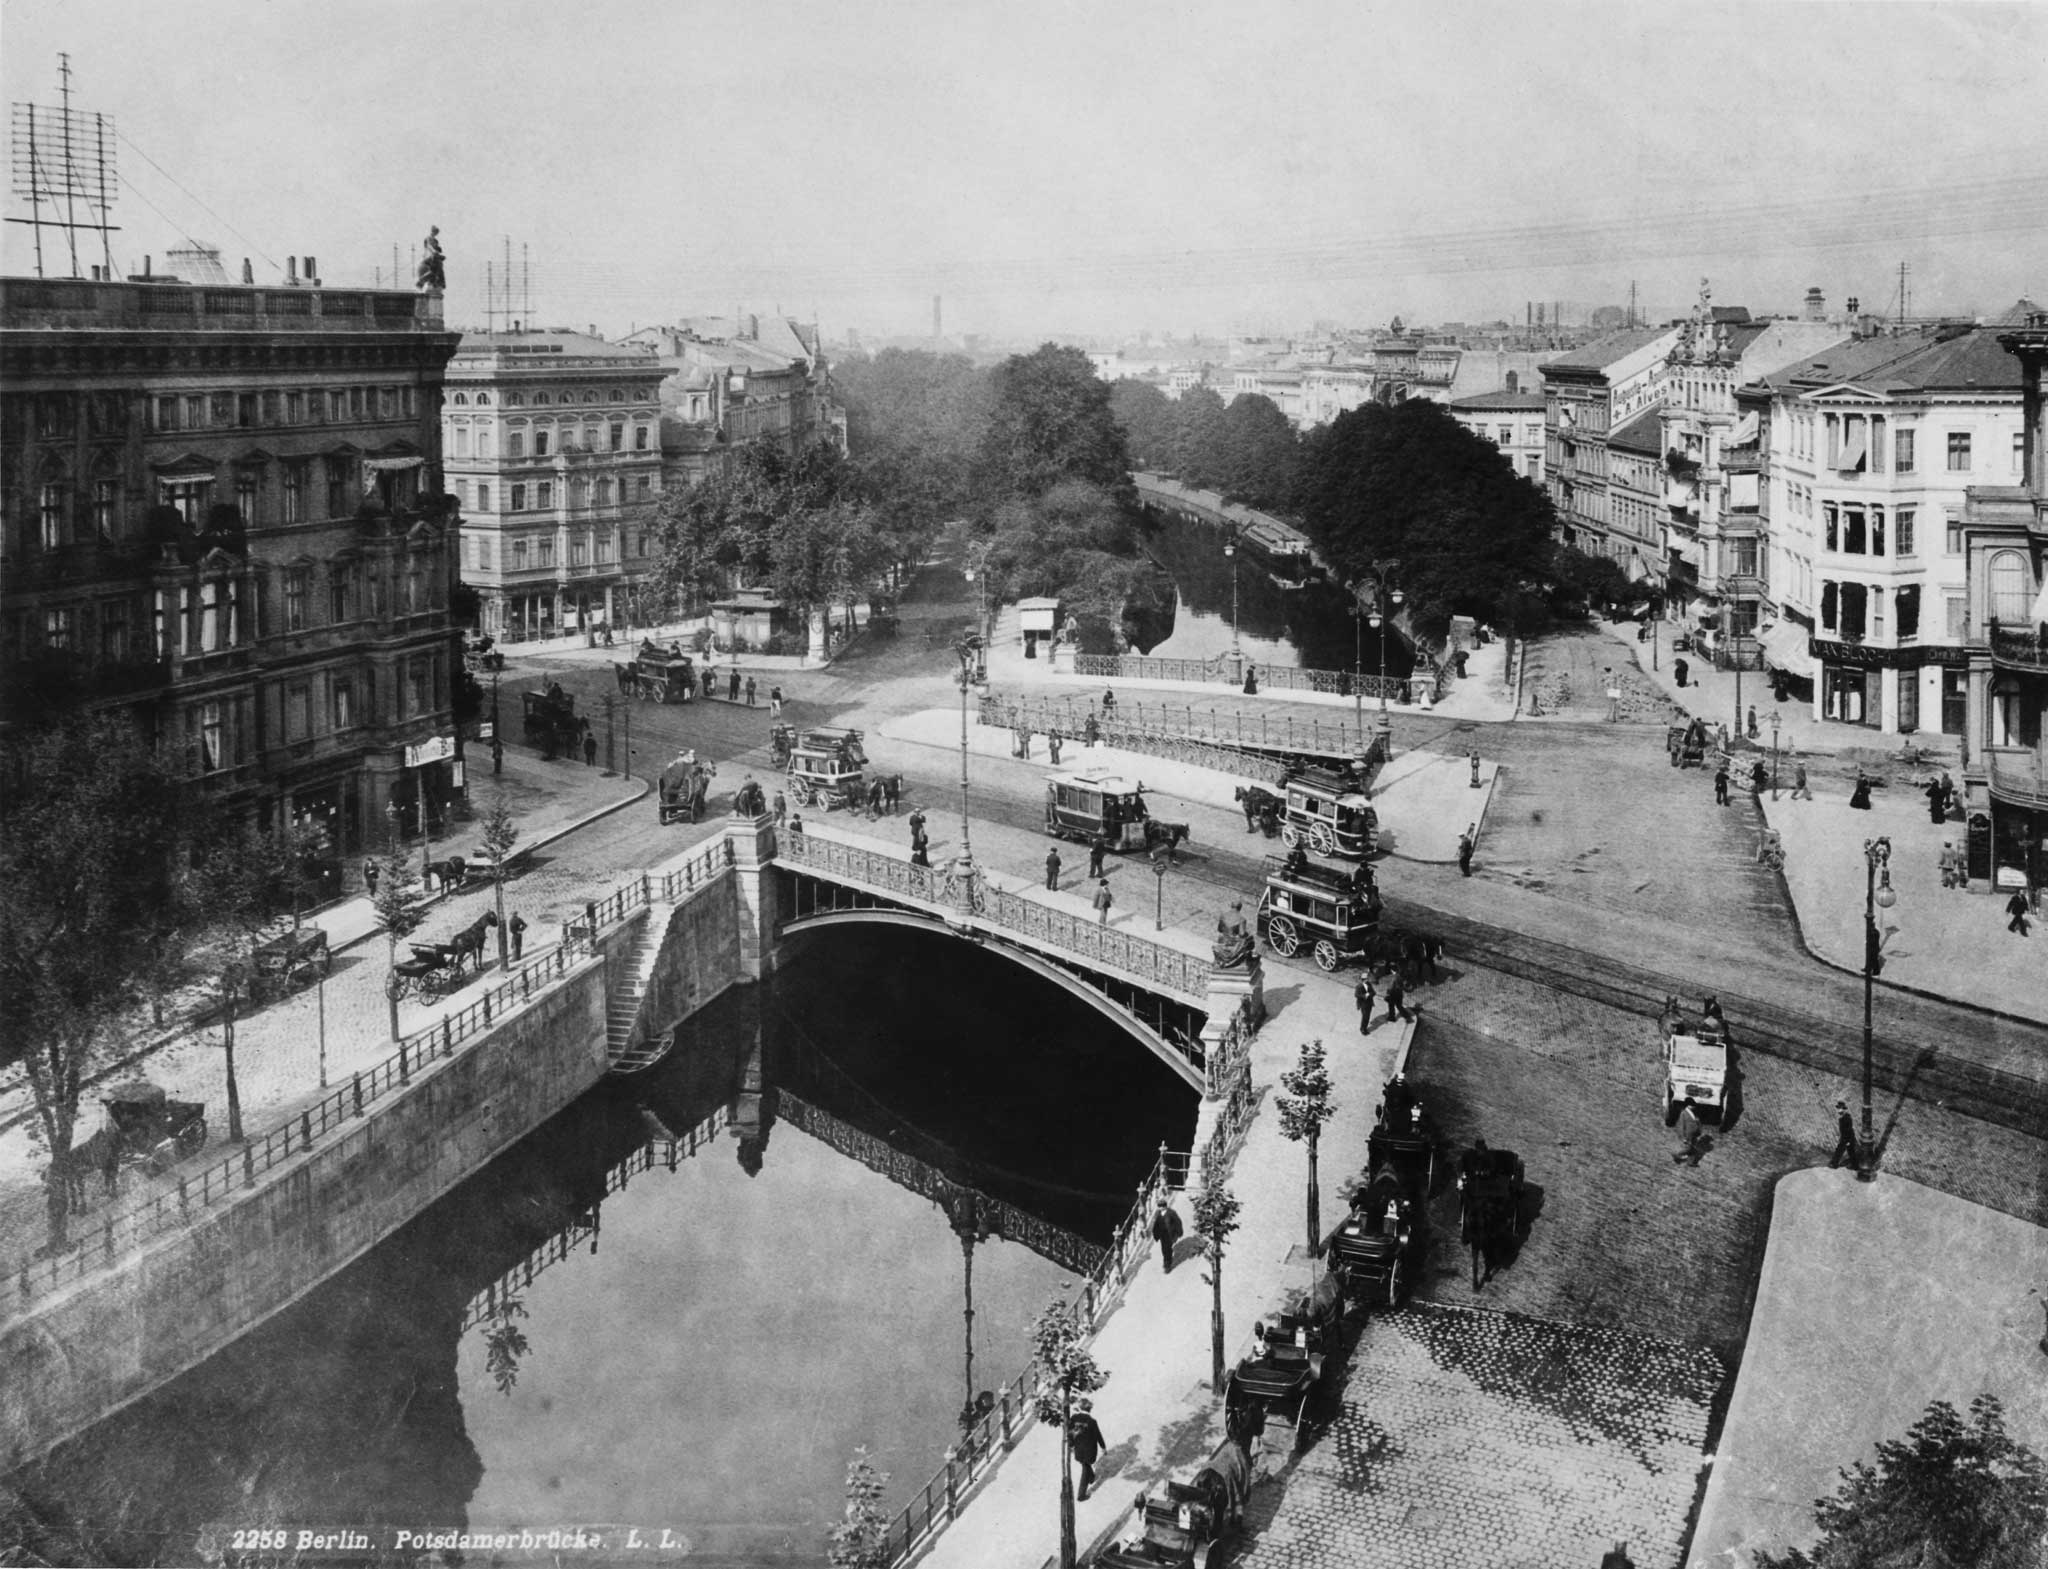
x: 1329, y: 813
x: 1332, y: 910
x: 665, y: 675
x: 550, y: 720
x: 826, y: 766
x: 288, y: 961
x: 1109, y: 807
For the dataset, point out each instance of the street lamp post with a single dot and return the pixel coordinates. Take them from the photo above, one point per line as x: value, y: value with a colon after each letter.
x: 1236, y: 650
x: 976, y: 572
x: 966, y: 653
x: 1379, y: 610
x: 1774, y: 754
x: 1877, y: 895
x: 497, y: 734
x: 1159, y: 857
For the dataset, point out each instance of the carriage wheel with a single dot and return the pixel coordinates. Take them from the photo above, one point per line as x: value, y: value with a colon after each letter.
x: 1280, y: 932
x: 1291, y: 837
x: 1478, y: 1258
x: 192, y: 1139
x: 395, y: 986
x: 1326, y: 954
x: 1322, y: 840
x: 1394, y: 1285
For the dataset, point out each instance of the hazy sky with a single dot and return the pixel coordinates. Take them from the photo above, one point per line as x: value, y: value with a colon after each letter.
x: 1060, y: 167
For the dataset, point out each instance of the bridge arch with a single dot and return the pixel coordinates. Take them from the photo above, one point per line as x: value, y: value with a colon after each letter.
x: 1146, y: 1035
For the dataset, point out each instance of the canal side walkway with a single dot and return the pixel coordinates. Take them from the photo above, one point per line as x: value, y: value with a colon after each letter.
x: 1854, y: 1274
x: 1424, y: 799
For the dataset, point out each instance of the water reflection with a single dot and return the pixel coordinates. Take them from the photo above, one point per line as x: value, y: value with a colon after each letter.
x: 826, y: 1221
x: 1310, y: 626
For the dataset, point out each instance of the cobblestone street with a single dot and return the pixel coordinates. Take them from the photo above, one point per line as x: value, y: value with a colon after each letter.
x: 1477, y: 1440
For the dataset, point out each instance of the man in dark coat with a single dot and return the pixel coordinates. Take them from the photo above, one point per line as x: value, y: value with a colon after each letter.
x: 1937, y: 801
x: 1098, y: 847
x: 1721, y: 783
x: 1465, y: 847
x: 732, y: 687
x: 1052, y: 869
x: 2016, y: 907
x: 517, y: 928
x: 1052, y: 740
x: 1364, y: 995
x: 1166, y: 1231
x: 1084, y: 1438
x: 1845, y: 1136
x: 371, y: 873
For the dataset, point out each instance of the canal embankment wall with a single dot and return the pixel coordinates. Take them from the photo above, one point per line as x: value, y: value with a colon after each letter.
x: 76, y: 1355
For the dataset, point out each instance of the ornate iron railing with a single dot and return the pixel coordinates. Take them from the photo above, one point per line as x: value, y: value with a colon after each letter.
x: 119, y: 1232
x: 1228, y: 671
x: 1228, y: 740
x: 995, y: 1432
x: 2018, y: 648
x: 1155, y: 964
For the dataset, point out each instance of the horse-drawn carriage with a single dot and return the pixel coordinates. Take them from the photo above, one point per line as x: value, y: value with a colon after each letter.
x: 288, y: 961
x: 1695, y: 1061
x: 1272, y: 1383
x: 826, y: 768
x: 438, y: 968
x: 1329, y: 813
x: 664, y: 675
x: 1179, y: 1526
x: 1686, y: 741
x: 1335, y: 911
x: 1489, y: 1206
x: 1384, y: 1241
x: 146, y: 1127
x: 1262, y: 809
x: 684, y: 787
x: 550, y: 720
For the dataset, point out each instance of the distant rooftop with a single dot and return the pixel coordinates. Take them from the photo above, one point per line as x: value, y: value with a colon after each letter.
x: 93, y: 305
x: 1604, y: 351
x: 511, y: 346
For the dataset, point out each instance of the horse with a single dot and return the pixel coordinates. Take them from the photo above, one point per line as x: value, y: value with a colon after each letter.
x: 1261, y: 809
x: 469, y: 942
x: 892, y: 792
x: 100, y: 1153
x: 700, y: 788
x: 449, y: 875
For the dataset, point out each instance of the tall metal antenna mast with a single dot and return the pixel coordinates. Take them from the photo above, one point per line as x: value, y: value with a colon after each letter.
x: 60, y: 158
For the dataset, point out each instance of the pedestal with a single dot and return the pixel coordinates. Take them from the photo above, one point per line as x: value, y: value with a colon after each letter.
x: 752, y: 846
x: 1234, y: 995
x: 1063, y: 659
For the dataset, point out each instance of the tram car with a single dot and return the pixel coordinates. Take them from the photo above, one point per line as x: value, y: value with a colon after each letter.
x: 550, y: 719
x: 1328, y: 812
x: 1088, y: 806
x: 666, y: 675
x: 827, y: 767
x: 1333, y: 911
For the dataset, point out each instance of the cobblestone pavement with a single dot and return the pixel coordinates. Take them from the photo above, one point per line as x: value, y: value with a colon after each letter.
x: 1491, y: 1440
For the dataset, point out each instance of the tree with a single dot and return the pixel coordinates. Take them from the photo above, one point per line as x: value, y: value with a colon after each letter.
x: 914, y: 423
x: 1146, y: 415
x: 1304, y: 1107
x: 1049, y: 420
x: 1261, y: 454
x: 1199, y: 436
x: 1216, y: 1209
x: 499, y: 836
x: 399, y: 903
x: 1066, y: 1372
x: 246, y: 882
x: 94, y: 820
x: 1952, y: 1493
x: 1409, y: 482
x: 1579, y: 580
x: 861, y: 1539
x: 1075, y: 544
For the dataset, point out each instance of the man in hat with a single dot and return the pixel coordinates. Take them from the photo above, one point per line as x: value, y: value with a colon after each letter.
x: 1688, y: 1134
x: 1052, y: 869
x: 1166, y: 1231
x: 1103, y: 900
x: 1084, y: 1438
x: 1845, y: 1136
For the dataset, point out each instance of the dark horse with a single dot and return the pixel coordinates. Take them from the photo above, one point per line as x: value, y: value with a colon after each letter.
x: 449, y: 875
x: 469, y: 942
x: 102, y: 1154
x: 1261, y: 809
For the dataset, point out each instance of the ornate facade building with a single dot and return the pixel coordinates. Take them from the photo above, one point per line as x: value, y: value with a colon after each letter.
x: 553, y: 442
x: 221, y: 511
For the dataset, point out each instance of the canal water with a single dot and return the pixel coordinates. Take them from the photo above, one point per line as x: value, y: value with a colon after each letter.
x: 1310, y: 627
x: 592, y: 1332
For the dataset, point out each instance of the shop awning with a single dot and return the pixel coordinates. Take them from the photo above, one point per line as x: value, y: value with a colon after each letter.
x: 1854, y: 451
x: 1686, y: 552
x: 391, y: 465
x: 1785, y: 648
x: 1744, y: 432
x: 1638, y: 569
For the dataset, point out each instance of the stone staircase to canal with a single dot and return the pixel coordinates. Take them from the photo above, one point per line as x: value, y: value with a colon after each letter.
x: 628, y: 1049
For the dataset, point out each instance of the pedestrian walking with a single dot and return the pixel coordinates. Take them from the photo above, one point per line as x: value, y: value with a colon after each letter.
x: 1759, y: 776
x: 1364, y: 995
x: 1467, y: 841
x: 371, y: 872
x: 1688, y: 1134
x: 1108, y: 703
x: 1098, y: 847
x: 1801, y: 791
x: 1024, y: 742
x: 1845, y: 1137
x: 589, y: 750
x: 1951, y: 864
x: 1948, y: 793
x: 1613, y: 696
x: 1085, y: 1441
x: 1432, y: 950
x: 875, y: 793
x: 2016, y: 907
x: 916, y: 821
x: 1397, y: 999
x: 710, y: 682
x: 1721, y: 783
x: 750, y: 691
x: 1052, y: 870
x: 796, y: 827
x: 732, y: 686
x: 1752, y: 721
x: 1721, y: 736
x: 1937, y: 801
x: 1102, y: 902
x: 1166, y: 1231
x: 775, y: 701
x: 1052, y: 741
x: 919, y: 855
x: 1859, y: 798
x: 516, y: 929
x: 781, y: 808
x: 1678, y: 670
x: 1091, y: 732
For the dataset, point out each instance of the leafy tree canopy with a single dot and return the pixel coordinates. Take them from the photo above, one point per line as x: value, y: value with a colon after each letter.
x: 1200, y: 434
x: 1147, y: 416
x: 1050, y: 420
x: 1262, y: 454
x: 1410, y: 483
x: 914, y: 425
x: 1951, y: 1493
x: 1076, y: 544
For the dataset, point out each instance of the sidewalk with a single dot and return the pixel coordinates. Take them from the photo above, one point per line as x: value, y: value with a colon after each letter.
x: 1874, y: 1300
x: 1942, y: 941
x: 1156, y: 1410
x: 1424, y: 799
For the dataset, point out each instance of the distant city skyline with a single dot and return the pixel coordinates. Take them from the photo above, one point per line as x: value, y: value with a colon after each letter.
x: 1070, y: 170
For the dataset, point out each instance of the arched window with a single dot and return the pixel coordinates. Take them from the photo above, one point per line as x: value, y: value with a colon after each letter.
x: 2012, y: 588
x: 483, y: 400
x: 612, y: 396
x: 541, y: 399
x: 460, y: 400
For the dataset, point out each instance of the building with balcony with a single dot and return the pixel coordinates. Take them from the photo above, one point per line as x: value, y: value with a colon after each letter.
x: 1512, y: 422
x: 1588, y: 393
x: 2005, y: 541
x: 553, y: 442
x: 222, y: 512
x: 1872, y: 449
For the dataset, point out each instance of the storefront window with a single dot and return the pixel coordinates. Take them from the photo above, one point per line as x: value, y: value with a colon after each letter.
x: 1844, y: 694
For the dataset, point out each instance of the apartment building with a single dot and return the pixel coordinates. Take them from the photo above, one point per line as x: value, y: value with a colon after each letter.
x: 729, y: 381
x: 1588, y: 393
x: 222, y: 512
x: 1513, y: 422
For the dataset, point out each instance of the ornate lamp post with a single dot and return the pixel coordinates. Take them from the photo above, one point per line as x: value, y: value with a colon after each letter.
x: 1159, y: 889
x: 1774, y: 754
x: 1877, y: 895
x: 1386, y: 597
x: 966, y: 651
x: 976, y: 572
x: 497, y: 733
x: 1236, y: 651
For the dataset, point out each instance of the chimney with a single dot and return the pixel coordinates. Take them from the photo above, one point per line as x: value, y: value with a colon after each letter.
x: 145, y: 266
x: 1854, y: 305
x: 312, y: 272
x: 291, y: 272
x: 593, y: 329
x: 1816, y: 306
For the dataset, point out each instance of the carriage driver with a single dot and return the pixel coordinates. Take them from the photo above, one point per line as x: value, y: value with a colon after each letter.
x: 1398, y: 1106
